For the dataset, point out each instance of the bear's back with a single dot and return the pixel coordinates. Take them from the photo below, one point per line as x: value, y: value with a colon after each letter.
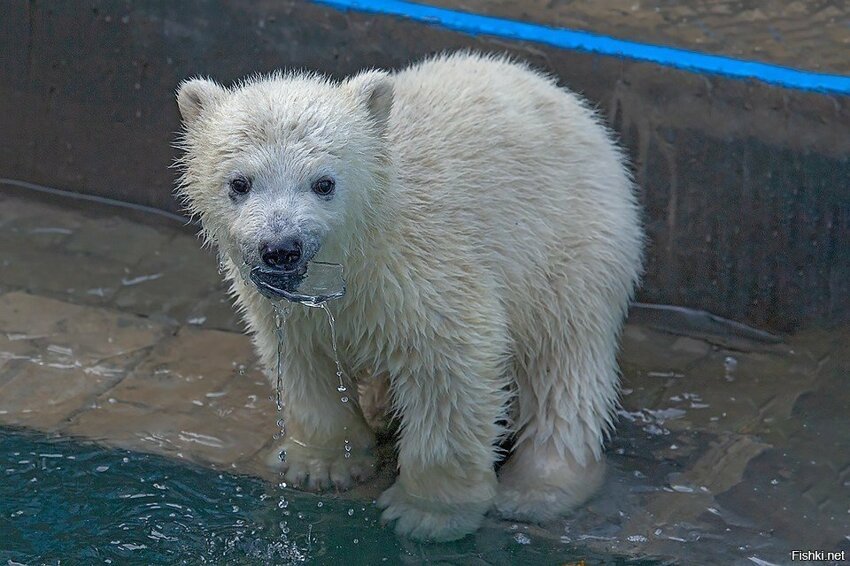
x: 503, y: 155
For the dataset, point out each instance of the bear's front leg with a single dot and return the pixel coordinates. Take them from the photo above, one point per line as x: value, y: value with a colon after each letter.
x: 327, y: 442
x: 450, y: 396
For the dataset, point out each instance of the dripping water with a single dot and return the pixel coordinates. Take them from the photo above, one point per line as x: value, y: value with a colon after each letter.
x: 341, y: 387
x: 339, y: 374
x: 279, y: 318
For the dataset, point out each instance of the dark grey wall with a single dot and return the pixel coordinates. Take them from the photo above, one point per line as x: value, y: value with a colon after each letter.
x: 746, y: 187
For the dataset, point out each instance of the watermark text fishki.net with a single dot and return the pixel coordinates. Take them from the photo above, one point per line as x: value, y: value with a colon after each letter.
x: 819, y: 556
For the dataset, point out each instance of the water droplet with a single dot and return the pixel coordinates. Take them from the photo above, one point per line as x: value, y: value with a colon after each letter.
x: 729, y: 365
x: 280, y: 423
x: 344, y: 399
x: 347, y: 455
x: 319, y: 504
x: 350, y: 512
x: 282, y: 455
x: 342, y: 388
x: 282, y: 504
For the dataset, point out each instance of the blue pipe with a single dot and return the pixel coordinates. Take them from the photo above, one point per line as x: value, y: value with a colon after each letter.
x: 692, y: 61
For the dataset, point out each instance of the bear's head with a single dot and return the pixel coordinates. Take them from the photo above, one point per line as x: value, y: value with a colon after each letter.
x: 287, y: 168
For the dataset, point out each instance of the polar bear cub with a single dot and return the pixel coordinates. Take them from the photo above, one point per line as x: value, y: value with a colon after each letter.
x: 491, y: 239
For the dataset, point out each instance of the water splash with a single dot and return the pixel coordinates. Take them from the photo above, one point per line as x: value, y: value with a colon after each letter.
x: 327, y: 284
x: 323, y: 282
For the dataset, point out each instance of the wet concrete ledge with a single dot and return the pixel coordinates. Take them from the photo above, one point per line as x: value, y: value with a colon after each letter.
x: 745, y: 185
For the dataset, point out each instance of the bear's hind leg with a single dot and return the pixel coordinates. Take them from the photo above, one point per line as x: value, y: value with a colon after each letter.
x: 567, y: 386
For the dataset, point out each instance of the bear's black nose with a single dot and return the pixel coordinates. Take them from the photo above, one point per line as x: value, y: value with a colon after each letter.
x: 281, y: 255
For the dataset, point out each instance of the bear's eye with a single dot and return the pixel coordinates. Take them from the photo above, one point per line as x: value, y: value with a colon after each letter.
x: 324, y: 187
x: 240, y: 185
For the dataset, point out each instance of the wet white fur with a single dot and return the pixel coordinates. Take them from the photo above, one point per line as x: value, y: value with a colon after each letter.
x: 491, y: 241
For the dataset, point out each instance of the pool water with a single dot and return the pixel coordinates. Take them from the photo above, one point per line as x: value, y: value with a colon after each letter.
x: 71, y: 503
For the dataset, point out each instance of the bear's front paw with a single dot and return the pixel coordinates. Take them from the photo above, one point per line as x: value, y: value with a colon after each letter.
x: 317, y: 468
x: 426, y: 519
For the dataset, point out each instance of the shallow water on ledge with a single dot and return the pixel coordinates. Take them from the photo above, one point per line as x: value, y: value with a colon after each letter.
x: 71, y: 502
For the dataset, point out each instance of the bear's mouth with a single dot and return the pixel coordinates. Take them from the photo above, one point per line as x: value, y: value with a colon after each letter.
x: 276, y: 280
x: 312, y: 284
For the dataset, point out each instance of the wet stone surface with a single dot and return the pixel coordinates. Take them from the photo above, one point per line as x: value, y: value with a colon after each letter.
x: 728, y: 448
x: 195, y: 396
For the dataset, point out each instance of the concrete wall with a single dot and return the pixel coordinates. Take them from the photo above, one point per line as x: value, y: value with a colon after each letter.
x: 746, y: 187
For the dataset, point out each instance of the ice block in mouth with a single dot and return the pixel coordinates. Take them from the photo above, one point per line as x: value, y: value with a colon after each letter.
x: 320, y: 283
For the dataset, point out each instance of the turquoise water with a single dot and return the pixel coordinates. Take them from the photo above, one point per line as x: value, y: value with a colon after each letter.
x: 72, y: 503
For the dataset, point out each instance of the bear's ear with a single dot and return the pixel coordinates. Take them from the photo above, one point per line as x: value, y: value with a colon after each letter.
x: 194, y: 95
x: 374, y: 89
